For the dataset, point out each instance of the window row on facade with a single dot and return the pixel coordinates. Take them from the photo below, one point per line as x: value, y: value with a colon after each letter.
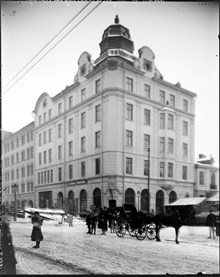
x: 25, y: 138
x: 19, y: 173
x: 21, y: 188
x: 20, y: 157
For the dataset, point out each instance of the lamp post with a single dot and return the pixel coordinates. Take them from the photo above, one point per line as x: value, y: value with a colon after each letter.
x: 138, y: 195
x: 148, y: 178
x: 15, y: 200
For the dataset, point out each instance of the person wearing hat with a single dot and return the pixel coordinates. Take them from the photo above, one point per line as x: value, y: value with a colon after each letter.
x: 211, y: 222
x: 36, y: 234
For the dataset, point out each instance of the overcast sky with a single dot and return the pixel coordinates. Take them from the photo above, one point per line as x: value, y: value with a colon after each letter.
x: 183, y: 36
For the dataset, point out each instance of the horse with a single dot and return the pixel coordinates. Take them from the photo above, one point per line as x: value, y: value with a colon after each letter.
x: 175, y: 219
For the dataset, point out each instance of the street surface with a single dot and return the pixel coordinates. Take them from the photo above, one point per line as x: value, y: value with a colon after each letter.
x: 69, y: 250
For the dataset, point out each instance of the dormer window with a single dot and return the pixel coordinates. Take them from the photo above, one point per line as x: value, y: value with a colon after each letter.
x: 147, y: 65
x: 83, y: 70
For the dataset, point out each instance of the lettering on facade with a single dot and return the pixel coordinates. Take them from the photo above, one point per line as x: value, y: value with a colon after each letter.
x: 74, y: 183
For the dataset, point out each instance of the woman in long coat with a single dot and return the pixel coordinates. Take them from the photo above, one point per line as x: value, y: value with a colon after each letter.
x: 9, y: 260
x: 102, y: 224
x: 36, y: 234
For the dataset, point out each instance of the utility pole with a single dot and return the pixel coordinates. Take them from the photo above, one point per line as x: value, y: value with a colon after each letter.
x: 15, y: 201
x: 148, y: 178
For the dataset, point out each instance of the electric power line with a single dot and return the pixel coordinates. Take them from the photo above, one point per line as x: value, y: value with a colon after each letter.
x: 47, y: 45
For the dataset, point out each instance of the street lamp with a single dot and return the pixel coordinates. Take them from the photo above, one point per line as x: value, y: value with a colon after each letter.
x: 148, y: 178
x: 15, y: 204
x: 138, y: 195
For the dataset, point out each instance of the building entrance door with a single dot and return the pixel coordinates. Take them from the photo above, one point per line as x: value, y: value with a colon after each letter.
x: 112, y: 203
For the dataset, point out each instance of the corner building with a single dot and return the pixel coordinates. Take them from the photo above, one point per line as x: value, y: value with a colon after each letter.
x: 118, y: 134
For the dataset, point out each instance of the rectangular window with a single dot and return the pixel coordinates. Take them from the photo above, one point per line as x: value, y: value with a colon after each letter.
x: 70, y: 171
x: 185, y: 128
x: 40, y: 161
x: 40, y: 119
x: 17, y: 173
x: 23, y: 187
x: 185, y: 150
x: 45, y: 137
x: 12, y: 145
x: 23, y: 155
x: 17, y: 157
x: 146, y: 117
x: 23, y: 140
x: 70, y: 148
x: 59, y: 108
x: 162, y: 120
x: 50, y: 114
x: 42, y: 177
x: 98, y: 139
x: 50, y: 135
x: 97, y: 86
x: 12, y: 175
x: 50, y: 155
x: 129, y: 165
x: 162, y: 96
x: 185, y: 105
x: 40, y: 139
x: 83, y: 144
x: 172, y: 100
x: 45, y: 157
x: 170, y: 170
x: 38, y: 178
x: 184, y: 172
x: 170, y: 121
x: 146, y: 167
x: 147, y: 91
x: 170, y: 145
x: 17, y: 142
x: 45, y: 117
x: 23, y: 172
x: 51, y: 175
x: 83, y: 169
x: 60, y: 130
x: 60, y: 152
x: 48, y: 176
x: 12, y: 159
x: 129, y: 111
x: 201, y: 178
x: 97, y: 166
x: 83, y: 95
x: 146, y: 141
x: 83, y: 120
x: 32, y: 169
x: 162, y: 144
x: 129, y: 138
x: 28, y: 170
x: 97, y: 113
x: 70, y: 125
x: 129, y: 84
x: 60, y: 173
x: 162, y: 169
x: 70, y: 102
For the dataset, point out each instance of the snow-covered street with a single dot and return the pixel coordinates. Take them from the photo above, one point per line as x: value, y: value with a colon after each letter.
x: 69, y: 250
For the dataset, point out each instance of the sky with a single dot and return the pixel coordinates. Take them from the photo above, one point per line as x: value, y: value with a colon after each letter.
x: 183, y: 36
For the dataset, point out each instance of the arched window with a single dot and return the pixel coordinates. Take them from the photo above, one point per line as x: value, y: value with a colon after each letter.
x: 172, y: 197
x: 213, y: 179
x: 30, y: 204
x: 130, y: 196
x: 23, y: 204
x: 60, y: 200
x: 71, y: 201
x: 97, y: 198
x: 159, y: 201
x: 145, y: 200
x: 83, y: 201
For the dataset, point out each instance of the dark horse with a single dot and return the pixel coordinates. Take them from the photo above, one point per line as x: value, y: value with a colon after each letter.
x: 176, y: 218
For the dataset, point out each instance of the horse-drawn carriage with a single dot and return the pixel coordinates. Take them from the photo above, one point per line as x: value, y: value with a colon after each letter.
x: 135, y: 223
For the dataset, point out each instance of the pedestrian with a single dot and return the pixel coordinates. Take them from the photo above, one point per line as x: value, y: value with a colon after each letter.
x: 211, y: 222
x: 102, y: 224
x: 88, y: 222
x: 70, y: 219
x: 9, y: 260
x: 94, y: 221
x: 36, y: 234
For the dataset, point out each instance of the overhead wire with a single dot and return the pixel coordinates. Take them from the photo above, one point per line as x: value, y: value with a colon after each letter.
x: 47, y: 44
x: 53, y: 46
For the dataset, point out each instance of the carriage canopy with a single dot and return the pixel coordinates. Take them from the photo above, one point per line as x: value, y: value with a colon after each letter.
x: 193, y: 201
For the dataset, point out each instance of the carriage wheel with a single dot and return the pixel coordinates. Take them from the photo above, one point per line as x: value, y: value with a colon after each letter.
x: 151, y: 231
x: 141, y: 232
x: 132, y: 232
x: 120, y: 229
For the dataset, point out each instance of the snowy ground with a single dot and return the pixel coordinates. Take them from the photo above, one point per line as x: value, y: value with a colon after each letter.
x: 69, y: 250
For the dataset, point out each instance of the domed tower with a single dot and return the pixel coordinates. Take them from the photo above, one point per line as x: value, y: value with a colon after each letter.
x: 116, y: 41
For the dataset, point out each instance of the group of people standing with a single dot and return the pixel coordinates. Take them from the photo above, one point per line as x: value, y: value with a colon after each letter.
x: 100, y: 220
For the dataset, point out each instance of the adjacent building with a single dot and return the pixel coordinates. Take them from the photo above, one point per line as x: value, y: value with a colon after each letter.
x: 119, y: 134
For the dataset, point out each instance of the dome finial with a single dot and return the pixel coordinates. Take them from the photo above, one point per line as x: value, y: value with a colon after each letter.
x: 116, y: 19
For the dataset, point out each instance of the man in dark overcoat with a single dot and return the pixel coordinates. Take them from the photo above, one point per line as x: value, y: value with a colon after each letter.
x: 103, y: 221
x: 36, y: 234
x: 89, y: 222
x: 211, y: 222
x: 9, y: 260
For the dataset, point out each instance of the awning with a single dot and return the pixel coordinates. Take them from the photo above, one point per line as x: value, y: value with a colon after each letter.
x: 214, y: 198
x: 187, y: 201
